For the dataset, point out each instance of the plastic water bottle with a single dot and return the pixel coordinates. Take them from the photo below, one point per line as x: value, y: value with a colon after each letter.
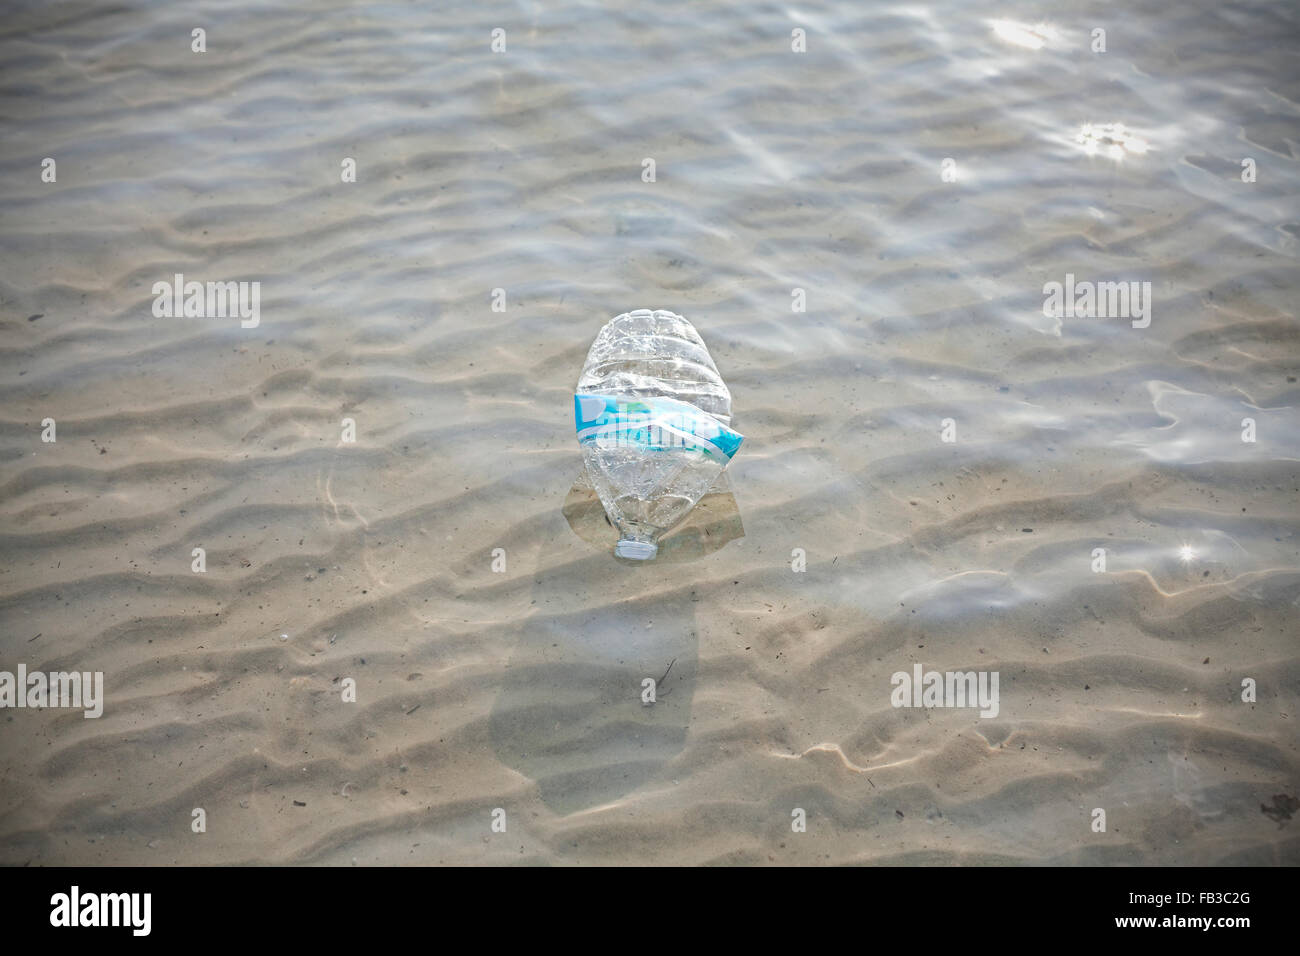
x: 653, y: 418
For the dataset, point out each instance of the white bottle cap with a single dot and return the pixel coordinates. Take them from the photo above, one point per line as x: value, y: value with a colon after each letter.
x: 637, y: 550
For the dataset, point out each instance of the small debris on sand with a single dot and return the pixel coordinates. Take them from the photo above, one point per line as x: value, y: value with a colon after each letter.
x: 1284, y: 805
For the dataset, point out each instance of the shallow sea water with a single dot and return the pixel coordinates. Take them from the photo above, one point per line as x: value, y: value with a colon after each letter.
x: 520, y: 688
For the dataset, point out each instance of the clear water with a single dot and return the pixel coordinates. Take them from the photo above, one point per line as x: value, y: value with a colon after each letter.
x: 775, y: 171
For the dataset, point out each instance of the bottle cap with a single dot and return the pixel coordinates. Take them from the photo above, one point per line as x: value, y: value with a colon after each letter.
x: 637, y: 550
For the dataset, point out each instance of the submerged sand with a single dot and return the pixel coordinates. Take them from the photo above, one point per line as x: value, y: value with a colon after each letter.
x: 520, y: 689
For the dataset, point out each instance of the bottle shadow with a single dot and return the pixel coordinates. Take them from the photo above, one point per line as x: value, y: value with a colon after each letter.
x: 571, y: 714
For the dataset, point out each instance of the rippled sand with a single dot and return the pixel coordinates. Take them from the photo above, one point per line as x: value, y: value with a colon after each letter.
x: 520, y: 689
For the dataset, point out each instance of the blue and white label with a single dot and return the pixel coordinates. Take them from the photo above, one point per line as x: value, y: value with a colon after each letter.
x: 652, y: 424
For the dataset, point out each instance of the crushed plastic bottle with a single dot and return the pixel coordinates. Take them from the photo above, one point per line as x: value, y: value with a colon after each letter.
x: 653, y: 418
